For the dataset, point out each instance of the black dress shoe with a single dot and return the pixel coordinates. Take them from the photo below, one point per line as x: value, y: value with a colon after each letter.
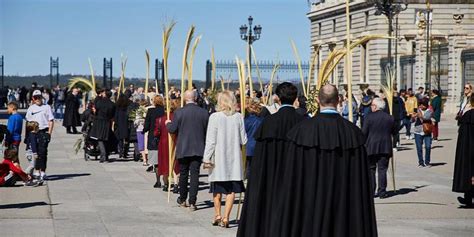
x: 149, y: 169
x: 165, y: 188
x: 383, y: 195
x: 175, y: 188
x: 463, y: 201
x: 157, y: 185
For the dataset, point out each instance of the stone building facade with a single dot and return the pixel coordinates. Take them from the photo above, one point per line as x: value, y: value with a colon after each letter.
x: 452, y: 50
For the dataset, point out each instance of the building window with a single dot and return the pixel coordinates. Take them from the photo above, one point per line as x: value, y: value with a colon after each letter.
x: 350, y: 21
x: 334, y: 25
x: 367, y: 18
x: 363, y: 63
x: 319, y: 28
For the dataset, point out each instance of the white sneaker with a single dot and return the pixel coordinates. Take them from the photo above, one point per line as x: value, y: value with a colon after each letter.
x: 395, y: 149
x: 407, y: 137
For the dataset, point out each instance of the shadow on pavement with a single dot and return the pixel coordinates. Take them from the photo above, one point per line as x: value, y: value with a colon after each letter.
x: 25, y: 205
x: 438, y: 164
x: 65, y: 176
x: 404, y: 149
x: 404, y: 191
x: 446, y: 139
x: 434, y: 147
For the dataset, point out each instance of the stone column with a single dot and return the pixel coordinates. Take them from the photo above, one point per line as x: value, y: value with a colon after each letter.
x: 457, y: 42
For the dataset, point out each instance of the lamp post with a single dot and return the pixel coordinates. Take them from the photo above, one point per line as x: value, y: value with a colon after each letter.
x: 107, y: 72
x: 3, y: 71
x: 389, y: 8
x: 250, y: 36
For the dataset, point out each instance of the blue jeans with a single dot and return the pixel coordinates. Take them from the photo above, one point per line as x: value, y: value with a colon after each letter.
x: 407, y: 124
x: 419, y: 140
x: 58, y: 105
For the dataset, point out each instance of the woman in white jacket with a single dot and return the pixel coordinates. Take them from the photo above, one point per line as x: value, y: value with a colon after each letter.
x: 223, y: 156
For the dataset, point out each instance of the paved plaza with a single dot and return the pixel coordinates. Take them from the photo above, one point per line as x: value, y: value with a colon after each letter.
x: 117, y: 199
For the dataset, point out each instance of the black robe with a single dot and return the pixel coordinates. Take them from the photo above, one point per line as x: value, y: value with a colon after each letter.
x: 326, y: 190
x: 121, y: 125
x: 102, y: 125
x: 464, y: 162
x: 71, y: 112
x: 266, y: 172
x: 149, y: 126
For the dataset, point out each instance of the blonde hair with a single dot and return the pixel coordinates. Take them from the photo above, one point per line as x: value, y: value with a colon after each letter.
x: 32, y: 126
x: 226, y: 103
x: 253, y: 106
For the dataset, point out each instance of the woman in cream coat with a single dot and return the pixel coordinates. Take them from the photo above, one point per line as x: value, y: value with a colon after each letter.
x: 223, y: 156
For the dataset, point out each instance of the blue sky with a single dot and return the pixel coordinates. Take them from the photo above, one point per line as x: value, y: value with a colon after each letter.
x: 33, y: 30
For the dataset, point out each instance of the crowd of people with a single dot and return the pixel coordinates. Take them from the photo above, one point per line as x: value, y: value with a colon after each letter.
x: 307, y: 174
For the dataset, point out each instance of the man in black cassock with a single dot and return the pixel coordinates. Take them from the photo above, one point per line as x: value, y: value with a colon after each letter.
x: 268, y: 171
x: 72, y: 119
x: 326, y: 190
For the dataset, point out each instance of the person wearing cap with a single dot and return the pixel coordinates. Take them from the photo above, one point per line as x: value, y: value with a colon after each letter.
x: 43, y: 115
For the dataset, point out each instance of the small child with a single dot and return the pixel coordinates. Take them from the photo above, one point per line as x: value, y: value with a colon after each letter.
x: 14, y: 125
x: 32, y: 128
x: 10, y: 171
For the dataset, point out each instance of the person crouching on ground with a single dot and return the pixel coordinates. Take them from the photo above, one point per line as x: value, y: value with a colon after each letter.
x: 10, y: 171
x: 222, y: 155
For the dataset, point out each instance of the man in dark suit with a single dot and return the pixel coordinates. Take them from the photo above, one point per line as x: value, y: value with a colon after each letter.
x: 378, y: 128
x: 190, y: 124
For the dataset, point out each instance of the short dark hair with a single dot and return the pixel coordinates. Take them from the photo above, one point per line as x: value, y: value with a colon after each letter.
x: 328, y: 95
x: 436, y: 92
x: 287, y: 92
x: 13, y: 104
x: 424, y: 102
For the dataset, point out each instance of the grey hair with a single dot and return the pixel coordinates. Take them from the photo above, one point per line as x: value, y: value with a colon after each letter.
x: 379, y: 103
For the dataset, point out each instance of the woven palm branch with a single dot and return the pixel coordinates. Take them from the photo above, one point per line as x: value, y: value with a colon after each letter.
x: 270, y: 86
x: 388, y: 89
x: 184, y: 68
x: 311, y: 68
x: 213, y: 74
x: 78, y: 145
x: 330, y: 64
x: 259, y: 76
x: 80, y: 82
x: 300, y: 69
x: 191, y: 61
x: 147, y: 58
x: 167, y: 29
x: 93, y: 78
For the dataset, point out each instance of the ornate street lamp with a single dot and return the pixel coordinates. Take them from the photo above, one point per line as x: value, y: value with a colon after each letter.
x: 389, y: 8
x: 250, y: 36
x: 2, y: 71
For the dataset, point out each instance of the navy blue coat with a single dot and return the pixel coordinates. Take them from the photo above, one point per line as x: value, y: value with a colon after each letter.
x: 378, y: 128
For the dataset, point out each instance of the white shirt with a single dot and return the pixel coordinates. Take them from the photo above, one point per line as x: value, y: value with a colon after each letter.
x: 41, y: 114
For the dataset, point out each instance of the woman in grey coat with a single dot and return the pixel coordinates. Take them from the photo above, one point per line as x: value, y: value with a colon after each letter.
x: 223, y: 156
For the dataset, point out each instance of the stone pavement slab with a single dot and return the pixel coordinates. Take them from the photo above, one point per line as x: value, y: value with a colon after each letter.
x: 117, y: 199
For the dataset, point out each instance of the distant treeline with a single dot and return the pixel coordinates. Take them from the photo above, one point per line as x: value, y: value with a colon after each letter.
x: 15, y: 81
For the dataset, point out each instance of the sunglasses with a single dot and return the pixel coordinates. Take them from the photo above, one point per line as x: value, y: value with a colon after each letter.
x: 467, y: 88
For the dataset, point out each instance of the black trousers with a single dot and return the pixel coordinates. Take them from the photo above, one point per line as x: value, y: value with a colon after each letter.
x: 43, y: 142
x: 103, y: 150
x: 396, y: 136
x: 189, y: 165
x: 71, y: 129
x: 379, y: 163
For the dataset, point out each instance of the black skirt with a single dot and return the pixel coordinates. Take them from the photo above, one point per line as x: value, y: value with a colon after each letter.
x: 227, y: 187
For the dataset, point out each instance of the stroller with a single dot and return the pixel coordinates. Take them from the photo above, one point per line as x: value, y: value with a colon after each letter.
x: 91, y: 147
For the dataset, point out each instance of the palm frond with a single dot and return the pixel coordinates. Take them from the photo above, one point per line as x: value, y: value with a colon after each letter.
x: 213, y: 74
x: 191, y: 61
x: 184, y: 68
x: 300, y: 69
x: 259, y: 76
x: 147, y: 58
x: 77, y: 145
x: 80, y: 82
